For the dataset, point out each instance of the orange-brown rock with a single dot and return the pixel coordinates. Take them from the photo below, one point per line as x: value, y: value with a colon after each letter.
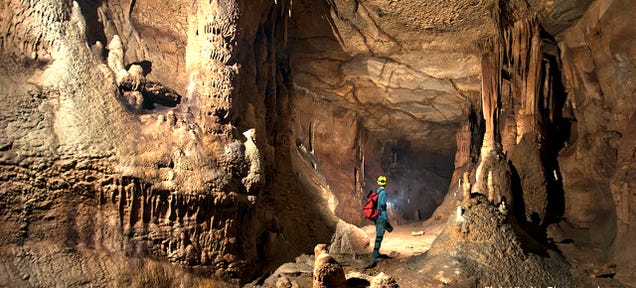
x: 189, y: 143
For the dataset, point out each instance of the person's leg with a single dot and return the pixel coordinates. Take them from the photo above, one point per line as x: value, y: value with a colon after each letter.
x: 379, y: 234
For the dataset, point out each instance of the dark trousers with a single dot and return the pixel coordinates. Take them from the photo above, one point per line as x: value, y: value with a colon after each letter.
x: 379, y: 235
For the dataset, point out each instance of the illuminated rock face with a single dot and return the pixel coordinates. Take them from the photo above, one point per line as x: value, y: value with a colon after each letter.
x: 595, y: 165
x: 122, y: 150
x: 227, y: 134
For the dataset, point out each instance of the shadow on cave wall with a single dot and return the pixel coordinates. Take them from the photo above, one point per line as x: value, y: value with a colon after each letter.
x: 142, y: 95
x: 291, y: 217
x: 94, y: 27
x: 152, y: 94
x: 558, y: 132
x: 556, y: 127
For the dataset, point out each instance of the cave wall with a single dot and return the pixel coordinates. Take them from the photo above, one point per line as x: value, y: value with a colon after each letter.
x: 598, y: 57
x: 91, y: 178
x: 347, y: 158
x: 571, y: 164
x: 363, y: 82
x: 569, y: 143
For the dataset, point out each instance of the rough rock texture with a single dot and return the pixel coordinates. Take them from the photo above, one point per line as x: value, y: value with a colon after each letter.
x: 349, y: 239
x: 346, y: 55
x: 598, y: 55
x: 532, y: 180
x: 328, y: 272
x: 346, y: 172
x: 89, y: 167
x: 400, y: 77
x: 481, y: 247
x: 564, y: 144
x: 226, y: 136
x: 622, y: 184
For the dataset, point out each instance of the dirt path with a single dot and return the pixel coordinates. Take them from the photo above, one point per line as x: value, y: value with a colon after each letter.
x: 460, y: 261
x: 402, y: 246
x: 402, y: 243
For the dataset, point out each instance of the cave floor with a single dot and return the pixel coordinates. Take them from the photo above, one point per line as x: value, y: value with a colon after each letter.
x: 410, y: 266
x: 407, y: 240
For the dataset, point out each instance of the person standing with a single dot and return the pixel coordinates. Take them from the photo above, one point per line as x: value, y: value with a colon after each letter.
x: 382, y: 221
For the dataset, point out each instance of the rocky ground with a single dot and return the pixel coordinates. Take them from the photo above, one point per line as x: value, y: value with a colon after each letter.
x: 470, y: 249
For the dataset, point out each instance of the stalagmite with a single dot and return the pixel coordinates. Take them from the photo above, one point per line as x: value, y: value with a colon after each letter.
x: 100, y: 187
x: 519, y: 52
x: 465, y: 186
x: 328, y: 273
x: 530, y: 88
x: 491, y: 67
x: 463, y: 136
x: 116, y: 59
x: 212, y: 31
x: 491, y: 188
x: 491, y: 147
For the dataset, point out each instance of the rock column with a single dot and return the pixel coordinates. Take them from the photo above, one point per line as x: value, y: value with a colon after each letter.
x: 526, y: 67
x: 527, y: 74
x: 212, y: 34
x: 493, y: 174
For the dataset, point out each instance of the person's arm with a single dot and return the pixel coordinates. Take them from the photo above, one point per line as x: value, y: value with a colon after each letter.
x: 382, y: 202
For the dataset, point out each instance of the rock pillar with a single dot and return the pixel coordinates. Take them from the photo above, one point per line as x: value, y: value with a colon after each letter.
x: 212, y: 34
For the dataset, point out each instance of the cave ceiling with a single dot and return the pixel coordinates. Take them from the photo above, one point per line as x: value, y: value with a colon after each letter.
x: 409, y: 68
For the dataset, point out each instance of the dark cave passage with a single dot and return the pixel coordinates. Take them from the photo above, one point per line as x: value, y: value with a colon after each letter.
x: 353, y: 143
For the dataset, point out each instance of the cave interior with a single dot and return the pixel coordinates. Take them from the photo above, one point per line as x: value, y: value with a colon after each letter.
x: 215, y: 142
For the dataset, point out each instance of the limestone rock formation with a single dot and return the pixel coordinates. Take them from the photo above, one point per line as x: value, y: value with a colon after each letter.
x: 327, y: 271
x: 114, y: 152
x: 349, y: 239
x: 381, y: 280
x: 284, y: 282
x: 478, y: 242
x: 202, y: 143
x: 599, y: 76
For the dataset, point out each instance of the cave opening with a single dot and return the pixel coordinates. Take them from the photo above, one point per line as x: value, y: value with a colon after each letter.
x: 373, y: 99
x: 362, y: 112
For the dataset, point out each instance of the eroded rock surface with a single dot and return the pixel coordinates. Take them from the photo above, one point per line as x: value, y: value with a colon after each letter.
x: 121, y: 150
x: 229, y: 136
x: 476, y: 239
x: 598, y: 55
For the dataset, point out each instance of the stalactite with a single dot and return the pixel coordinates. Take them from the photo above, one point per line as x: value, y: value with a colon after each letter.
x: 193, y: 229
x: 491, y: 81
x: 491, y: 75
x: 362, y: 161
x: 311, y: 137
x: 526, y: 55
x: 121, y: 203
x: 362, y: 172
x: 548, y: 97
x: 463, y: 138
x: 493, y: 174
x: 531, y: 94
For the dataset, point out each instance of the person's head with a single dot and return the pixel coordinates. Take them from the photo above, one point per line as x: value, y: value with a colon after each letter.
x: 382, y: 180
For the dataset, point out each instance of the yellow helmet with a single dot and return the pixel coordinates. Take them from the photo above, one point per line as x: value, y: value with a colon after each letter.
x: 382, y: 180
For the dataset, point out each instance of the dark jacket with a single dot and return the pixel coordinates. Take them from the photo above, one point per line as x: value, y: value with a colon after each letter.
x: 382, y: 213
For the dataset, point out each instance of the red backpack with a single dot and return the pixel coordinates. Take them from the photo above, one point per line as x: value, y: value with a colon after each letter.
x: 370, y: 209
